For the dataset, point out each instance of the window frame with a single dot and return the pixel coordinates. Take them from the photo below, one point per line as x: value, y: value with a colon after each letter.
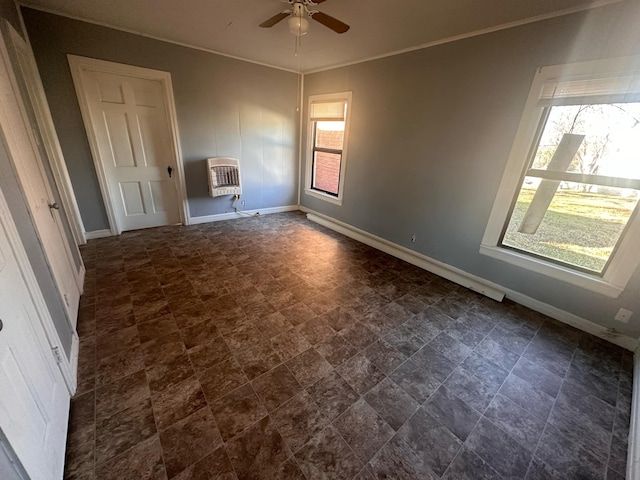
x: 311, y: 148
x: 624, y: 259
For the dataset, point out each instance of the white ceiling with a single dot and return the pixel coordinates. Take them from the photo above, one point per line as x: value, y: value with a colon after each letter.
x: 378, y: 27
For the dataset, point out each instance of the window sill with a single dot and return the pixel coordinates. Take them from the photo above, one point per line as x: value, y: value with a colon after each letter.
x: 323, y: 196
x: 558, y: 272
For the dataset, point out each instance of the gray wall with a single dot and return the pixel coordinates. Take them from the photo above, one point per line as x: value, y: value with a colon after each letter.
x: 225, y: 107
x: 430, y: 134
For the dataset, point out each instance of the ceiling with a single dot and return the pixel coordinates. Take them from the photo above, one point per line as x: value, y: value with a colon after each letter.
x: 378, y: 27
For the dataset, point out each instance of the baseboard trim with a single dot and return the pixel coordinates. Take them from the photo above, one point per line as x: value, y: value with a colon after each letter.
x: 97, y: 234
x: 633, y: 456
x: 580, y: 323
x: 470, y: 281
x: 247, y: 213
x: 449, y: 272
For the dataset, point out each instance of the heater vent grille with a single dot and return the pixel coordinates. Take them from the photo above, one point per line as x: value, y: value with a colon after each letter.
x: 224, y: 176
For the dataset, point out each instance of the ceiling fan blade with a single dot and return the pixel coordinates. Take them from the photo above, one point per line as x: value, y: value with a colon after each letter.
x: 318, y: 1
x: 275, y: 19
x: 330, y: 22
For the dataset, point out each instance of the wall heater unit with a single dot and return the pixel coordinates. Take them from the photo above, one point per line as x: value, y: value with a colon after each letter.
x: 224, y: 176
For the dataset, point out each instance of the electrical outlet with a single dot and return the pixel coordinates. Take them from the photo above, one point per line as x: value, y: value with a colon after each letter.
x: 413, y: 239
x: 623, y: 315
x: 242, y: 203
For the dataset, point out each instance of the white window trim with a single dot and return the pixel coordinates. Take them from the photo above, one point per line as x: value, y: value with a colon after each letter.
x: 329, y: 97
x: 626, y: 258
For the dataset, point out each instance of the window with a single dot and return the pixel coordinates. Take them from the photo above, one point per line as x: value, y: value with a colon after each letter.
x: 568, y: 202
x: 326, y: 157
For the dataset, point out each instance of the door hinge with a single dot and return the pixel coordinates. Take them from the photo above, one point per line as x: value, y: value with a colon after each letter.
x: 66, y: 299
x: 58, y: 354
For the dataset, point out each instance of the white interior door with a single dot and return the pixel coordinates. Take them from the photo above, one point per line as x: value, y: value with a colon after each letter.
x: 131, y: 126
x: 34, y: 400
x: 25, y: 156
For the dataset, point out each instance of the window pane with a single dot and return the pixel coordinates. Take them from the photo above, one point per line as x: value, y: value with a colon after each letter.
x: 326, y: 172
x: 580, y: 227
x: 611, y: 140
x: 330, y: 135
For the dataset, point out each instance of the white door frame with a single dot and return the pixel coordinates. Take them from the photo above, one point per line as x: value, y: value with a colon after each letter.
x: 31, y: 76
x: 78, y: 66
x: 68, y: 366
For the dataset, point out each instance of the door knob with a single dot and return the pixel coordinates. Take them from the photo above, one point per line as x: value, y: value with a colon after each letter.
x: 1, y: 325
x: 54, y: 205
x: 169, y: 169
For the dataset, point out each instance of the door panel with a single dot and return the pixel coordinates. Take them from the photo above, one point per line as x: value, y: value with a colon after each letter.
x: 120, y: 144
x: 34, y: 401
x: 132, y: 198
x: 130, y: 121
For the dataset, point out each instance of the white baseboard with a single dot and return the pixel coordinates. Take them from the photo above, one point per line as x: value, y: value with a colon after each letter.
x: 633, y: 455
x: 449, y: 272
x: 580, y: 323
x: 97, y: 234
x: 468, y: 280
x: 246, y: 213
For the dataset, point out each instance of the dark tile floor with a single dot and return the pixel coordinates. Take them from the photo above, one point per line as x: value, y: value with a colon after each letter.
x: 273, y: 348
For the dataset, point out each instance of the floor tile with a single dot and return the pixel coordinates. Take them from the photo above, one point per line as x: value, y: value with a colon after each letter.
x: 436, y: 364
x: 316, y: 331
x: 123, y: 430
x: 309, y: 367
x: 214, y: 466
x: 499, y: 450
x: 581, y: 430
x: 566, y: 457
x: 144, y: 461
x: 237, y: 411
x: 289, y: 344
x: 189, y: 440
x: 123, y: 393
x: 469, y: 466
x: 452, y: 412
x: 299, y: 420
x: 451, y: 348
x: 333, y: 395
x: 496, y: 353
x: 258, y: 360
x: 385, y: 356
x: 156, y: 328
x: 363, y: 430
x: 276, y: 387
x: 527, y: 396
x: 199, y: 334
x: 470, y: 389
x: 396, y: 460
x: 431, y: 441
x: 208, y: 354
x: 358, y: 335
x: 524, y: 427
x: 360, y: 373
x: 392, y: 403
x: 177, y: 402
x: 416, y: 381
x: 538, y: 376
x: 328, y: 456
x: 256, y: 452
x: 225, y: 377
x: 110, y: 343
x: 336, y: 350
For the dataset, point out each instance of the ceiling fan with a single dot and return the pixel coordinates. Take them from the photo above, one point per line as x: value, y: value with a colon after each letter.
x: 298, y: 15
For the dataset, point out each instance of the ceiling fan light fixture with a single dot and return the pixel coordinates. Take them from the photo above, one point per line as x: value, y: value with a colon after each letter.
x: 298, y: 25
